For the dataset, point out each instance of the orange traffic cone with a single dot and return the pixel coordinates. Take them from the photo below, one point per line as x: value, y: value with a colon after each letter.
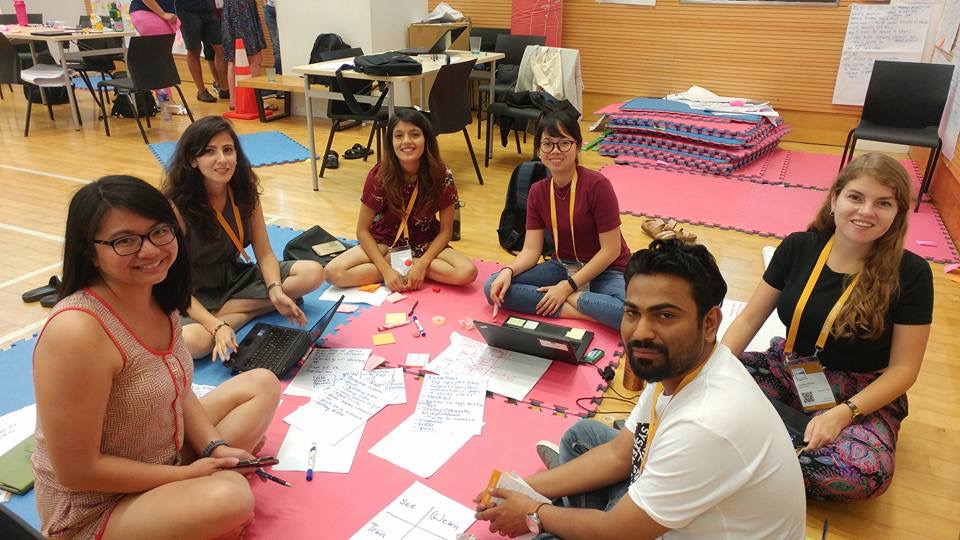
x: 246, y: 108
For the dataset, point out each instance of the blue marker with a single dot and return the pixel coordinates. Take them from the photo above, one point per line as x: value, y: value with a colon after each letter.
x: 416, y: 321
x: 310, y: 461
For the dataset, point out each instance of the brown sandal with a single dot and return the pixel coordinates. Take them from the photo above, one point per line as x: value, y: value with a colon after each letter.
x: 658, y: 229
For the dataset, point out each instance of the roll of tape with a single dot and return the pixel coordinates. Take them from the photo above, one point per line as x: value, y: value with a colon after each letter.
x: 439, y: 320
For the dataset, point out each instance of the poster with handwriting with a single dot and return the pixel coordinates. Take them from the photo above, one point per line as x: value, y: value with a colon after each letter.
x: 419, y: 513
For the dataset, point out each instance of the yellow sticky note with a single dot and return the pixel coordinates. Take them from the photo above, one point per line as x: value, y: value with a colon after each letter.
x: 396, y: 318
x: 531, y: 325
x: 576, y: 333
x: 514, y: 321
x: 383, y: 339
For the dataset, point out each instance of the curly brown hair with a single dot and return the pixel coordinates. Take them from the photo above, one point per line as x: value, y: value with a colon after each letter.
x: 432, y: 173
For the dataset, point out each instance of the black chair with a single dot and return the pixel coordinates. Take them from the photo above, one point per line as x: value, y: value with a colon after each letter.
x: 349, y: 109
x: 450, y: 104
x: 11, y: 18
x: 512, y: 47
x: 23, y: 49
x: 9, y: 65
x: 103, y: 65
x: 150, y: 66
x: 903, y: 105
x: 13, y: 527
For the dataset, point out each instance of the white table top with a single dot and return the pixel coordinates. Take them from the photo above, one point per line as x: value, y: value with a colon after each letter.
x: 25, y: 32
x: 431, y: 64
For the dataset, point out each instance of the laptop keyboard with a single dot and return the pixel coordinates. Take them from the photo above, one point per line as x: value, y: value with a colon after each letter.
x: 276, y: 350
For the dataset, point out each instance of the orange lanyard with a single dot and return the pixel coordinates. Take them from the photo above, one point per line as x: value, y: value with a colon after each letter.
x: 654, y: 421
x: 237, y: 241
x: 553, y: 217
x: 805, y: 296
x: 403, y: 229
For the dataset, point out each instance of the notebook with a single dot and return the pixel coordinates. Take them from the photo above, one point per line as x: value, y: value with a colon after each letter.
x: 441, y: 45
x: 16, y: 475
x: 537, y: 339
x: 278, y: 348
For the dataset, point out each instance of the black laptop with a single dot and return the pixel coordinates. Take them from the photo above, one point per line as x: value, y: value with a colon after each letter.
x: 545, y: 340
x: 794, y: 420
x: 278, y: 348
x: 441, y: 45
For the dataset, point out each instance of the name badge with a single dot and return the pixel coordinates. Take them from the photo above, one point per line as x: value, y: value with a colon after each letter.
x: 401, y: 259
x: 812, y: 385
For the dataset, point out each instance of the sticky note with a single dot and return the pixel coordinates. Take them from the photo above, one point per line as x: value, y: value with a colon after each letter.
x: 346, y: 308
x: 417, y: 359
x: 576, y: 333
x: 395, y: 318
x: 531, y: 325
x: 513, y: 321
x: 373, y: 362
x: 926, y: 243
x: 383, y: 339
x: 396, y: 297
x: 369, y: 288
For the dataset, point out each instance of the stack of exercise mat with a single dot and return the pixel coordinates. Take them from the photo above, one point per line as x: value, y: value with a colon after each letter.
x: 672, y: 132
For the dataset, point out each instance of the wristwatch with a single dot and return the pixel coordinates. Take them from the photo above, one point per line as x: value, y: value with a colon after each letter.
x: 857, y: 415
x: 533, y: 521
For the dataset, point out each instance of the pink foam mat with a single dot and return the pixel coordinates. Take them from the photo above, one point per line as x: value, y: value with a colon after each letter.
x: 337, y: 505
x: 558, y: 389
x: 758, y: 208
x: 788, y: 167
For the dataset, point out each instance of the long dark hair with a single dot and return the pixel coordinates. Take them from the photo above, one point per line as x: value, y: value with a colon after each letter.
x: 432, y: 173
x: 184, y: 184
x: 87, y: 209
x: 552, y: 123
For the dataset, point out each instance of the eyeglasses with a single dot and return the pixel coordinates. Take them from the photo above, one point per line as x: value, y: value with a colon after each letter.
x: 131, y: 243
x: 564, y: 145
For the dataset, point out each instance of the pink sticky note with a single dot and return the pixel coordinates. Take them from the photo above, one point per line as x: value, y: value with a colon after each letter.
x: 346, y: 308
x: 951, y: 267
x: 926, y: 243
x: 396, y: 297
x: 373, y: 362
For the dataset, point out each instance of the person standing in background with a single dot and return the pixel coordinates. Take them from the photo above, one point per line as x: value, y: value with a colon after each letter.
x: 200, y: 25
x: 270, y: 15
x: 241, y: 20
x: 154, y: 17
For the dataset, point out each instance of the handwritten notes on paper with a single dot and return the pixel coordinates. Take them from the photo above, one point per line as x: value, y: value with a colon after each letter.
x: 390, y: 380
x: 507, y: 373
x: 450, y: 404
x: 878, y: 32
x: 324, y: 367
x: 17, y: 426
x: 342, y: 408
x: 418, y: 513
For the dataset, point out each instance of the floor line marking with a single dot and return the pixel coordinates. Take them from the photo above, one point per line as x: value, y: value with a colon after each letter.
x: 29, y: 275
x: 31, y: 232
x: 73, y: 179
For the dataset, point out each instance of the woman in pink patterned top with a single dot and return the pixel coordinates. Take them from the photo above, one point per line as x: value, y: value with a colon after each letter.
x: 119, y: 430
x: 401, y: 240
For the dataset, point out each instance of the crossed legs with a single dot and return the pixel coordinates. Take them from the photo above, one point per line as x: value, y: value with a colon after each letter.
x: 353, y: 268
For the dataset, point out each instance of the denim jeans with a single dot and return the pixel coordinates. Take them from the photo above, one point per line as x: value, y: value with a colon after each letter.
x: 602, y: 302
x: 270, y: 17
x: 577, y: 440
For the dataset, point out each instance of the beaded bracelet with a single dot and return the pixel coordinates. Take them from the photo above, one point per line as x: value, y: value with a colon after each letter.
x: 220, y: 325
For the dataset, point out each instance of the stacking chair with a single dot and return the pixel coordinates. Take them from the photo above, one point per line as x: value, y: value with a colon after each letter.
x: 150, y: 66
x: 512, y: 47
x: 450, y: 104
x: 349, y: 109
x: 903, y: 105
x: 23, y: 49
x: 103, y: 65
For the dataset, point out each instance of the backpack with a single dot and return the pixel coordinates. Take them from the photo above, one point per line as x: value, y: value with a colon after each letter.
x: 325, y: 43
x: 387, y: 64
x: 513, y: 219
x: 145, y: 105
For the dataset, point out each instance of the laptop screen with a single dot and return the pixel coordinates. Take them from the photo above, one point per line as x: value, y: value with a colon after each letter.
x: 321, y: 325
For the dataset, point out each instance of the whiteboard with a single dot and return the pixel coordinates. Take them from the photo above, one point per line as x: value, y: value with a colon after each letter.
x: 950, y: 123
x: 878, y: 32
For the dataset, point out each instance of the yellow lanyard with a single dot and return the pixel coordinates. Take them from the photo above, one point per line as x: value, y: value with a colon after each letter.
x: 237, y: 241
x: 805, y: 296
x: 553, y: 217
x: 406, y: 215
x: 654, y: 421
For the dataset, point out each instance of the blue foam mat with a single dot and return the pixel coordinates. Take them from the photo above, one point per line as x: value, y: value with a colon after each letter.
x: 264, y: 148
x: 667, y: 105
x: 16, y: 384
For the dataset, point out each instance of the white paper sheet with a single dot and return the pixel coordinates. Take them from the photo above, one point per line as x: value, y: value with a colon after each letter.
x: 508, y: 373
x: 353, y: 295
x: 450, y: 404
x: 771, y: 328
x: 419, y: 513
x: 324, y: 367
x: 201, y: 390
x: 17, y: 426
x: 390, y: 380
x: 419, y: 452
x: 337, y: 458
x: 333, y: 414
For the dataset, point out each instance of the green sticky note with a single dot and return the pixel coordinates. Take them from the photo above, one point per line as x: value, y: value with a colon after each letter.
x: 576, y: 333
x: 514, y: 321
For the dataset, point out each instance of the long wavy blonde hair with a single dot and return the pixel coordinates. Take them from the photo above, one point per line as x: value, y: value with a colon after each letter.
x: 863, y: 314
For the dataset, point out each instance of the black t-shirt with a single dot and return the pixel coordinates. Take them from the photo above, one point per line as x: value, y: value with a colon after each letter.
x: 199, y: 6
x: 788, y: 272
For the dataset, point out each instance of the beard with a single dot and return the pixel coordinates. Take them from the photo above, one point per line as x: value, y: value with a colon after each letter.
x: 668, y: 365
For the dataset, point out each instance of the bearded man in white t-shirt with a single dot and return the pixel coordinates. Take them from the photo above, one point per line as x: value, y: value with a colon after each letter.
x: 713, y: 461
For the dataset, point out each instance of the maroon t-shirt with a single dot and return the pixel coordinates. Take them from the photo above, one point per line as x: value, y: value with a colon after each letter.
x: 596, y: 211
x: 422, y: 227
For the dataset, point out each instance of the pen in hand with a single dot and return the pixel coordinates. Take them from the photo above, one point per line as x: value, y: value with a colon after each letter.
x: 264, y: 475
x: 310, y: 461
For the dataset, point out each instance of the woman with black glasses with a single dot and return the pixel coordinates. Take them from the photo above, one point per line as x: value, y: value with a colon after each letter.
x: 584, y: 279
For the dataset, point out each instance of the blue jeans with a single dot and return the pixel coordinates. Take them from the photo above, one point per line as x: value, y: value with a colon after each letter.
x: 602, y: 302
x: 577, y: 440
x: 270, y: 17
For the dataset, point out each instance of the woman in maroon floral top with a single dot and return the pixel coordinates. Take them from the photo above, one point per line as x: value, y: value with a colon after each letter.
x: 401, y: 240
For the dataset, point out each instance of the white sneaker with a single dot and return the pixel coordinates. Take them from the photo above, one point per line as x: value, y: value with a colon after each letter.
x: 549, y: 453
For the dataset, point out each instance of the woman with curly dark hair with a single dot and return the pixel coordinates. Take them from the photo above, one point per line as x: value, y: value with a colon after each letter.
x: 213, y: 187
x: 401, y: 240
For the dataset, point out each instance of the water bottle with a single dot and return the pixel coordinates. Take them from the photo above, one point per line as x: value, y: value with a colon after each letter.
x: 116, y: 17
x: 163, y: 95
x: 20, y: 7
x: 456, y: 221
